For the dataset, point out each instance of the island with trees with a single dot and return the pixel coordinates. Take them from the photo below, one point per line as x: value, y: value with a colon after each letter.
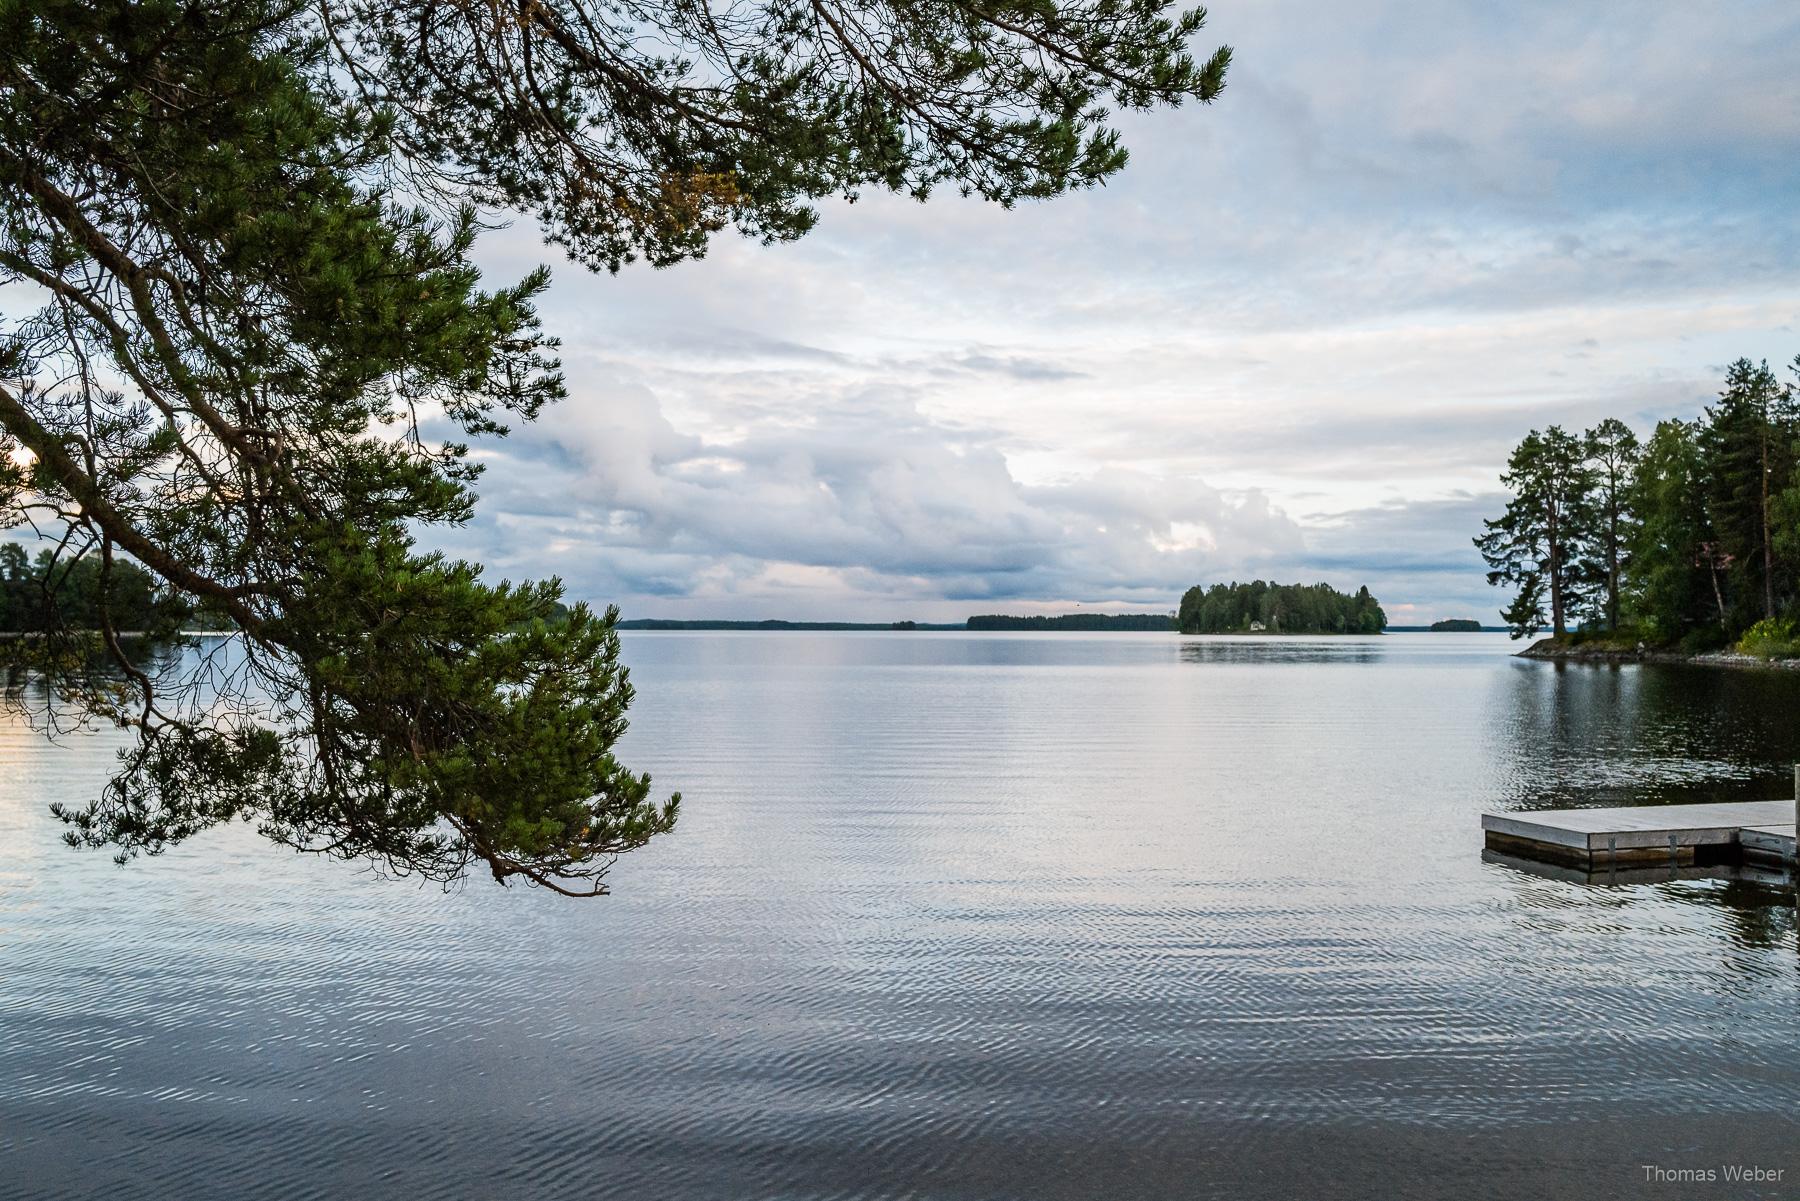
x: 1455, y: 625
x: 1682, y: 544
x: 1267, y: 608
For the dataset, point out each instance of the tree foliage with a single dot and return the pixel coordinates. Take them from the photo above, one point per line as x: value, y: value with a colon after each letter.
x: 1611, y: 449
x: 1533, y: 546
x: 1278, y: 609
x: 254, y: 349
x: 1693, y: 535
x: 641, y: 129
x: 1674, y: 583
x: 1747, y: 446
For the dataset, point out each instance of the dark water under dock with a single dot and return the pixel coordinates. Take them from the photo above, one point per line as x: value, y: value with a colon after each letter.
x: 964, y: 917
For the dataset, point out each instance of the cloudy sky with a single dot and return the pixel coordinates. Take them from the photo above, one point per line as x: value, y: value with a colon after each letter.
x: 1295, y: 339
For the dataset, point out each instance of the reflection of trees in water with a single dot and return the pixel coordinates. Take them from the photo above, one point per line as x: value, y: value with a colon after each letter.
x: 1755, y: 914
x: 1583, y: 735
x: 1578, y: 735
x: 1753, y: 907
x: 1277, y: 649
x: 189, y: 665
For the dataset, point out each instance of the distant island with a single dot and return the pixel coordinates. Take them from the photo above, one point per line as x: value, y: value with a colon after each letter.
x: 1455, y: 625
x: 1253, y: 608
x: 1259, y: 607
x: 1164, y: 622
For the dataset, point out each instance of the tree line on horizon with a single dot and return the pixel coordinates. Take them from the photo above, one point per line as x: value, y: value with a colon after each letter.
x: 1689, y: 538
x: 47, y: 593
x: 1278, y: 608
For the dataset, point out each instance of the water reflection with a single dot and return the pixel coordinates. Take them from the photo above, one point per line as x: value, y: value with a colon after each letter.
x: 1758, y: 884
x: 1269, y: 651
x: 1582, y: 735
x: 1024, y: 916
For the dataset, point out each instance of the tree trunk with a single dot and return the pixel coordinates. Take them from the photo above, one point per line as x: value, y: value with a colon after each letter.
x: 1768, y: 555
x: 1556, y: 572
x: 1612, y: 562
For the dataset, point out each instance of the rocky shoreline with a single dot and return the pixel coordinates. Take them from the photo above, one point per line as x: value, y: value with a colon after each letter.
x: 1551, y: 650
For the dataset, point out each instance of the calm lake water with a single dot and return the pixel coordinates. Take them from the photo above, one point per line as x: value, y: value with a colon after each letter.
x: 957, y: 916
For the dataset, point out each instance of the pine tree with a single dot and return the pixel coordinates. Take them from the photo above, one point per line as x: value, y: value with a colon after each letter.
x: 1612, y: 452
x: 243, y: 339
x: 1747, y: 446
x: 1785, y: 510
x: 1538, y: 541
x: 1673, y: 572
x: 1524, y: 616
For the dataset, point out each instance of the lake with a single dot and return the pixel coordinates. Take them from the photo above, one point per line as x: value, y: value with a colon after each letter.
x: 957, y: 916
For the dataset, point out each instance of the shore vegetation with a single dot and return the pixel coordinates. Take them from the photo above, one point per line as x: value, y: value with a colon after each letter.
x: 1686, y: 540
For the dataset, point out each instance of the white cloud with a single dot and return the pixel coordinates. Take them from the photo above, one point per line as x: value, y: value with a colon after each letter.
x: 1404, y: 236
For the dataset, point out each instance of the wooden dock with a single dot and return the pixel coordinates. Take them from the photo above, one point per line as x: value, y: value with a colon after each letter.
x: 1649, y: 835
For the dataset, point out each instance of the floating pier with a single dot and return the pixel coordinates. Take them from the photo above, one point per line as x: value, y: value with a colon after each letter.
x: 1755, y: 832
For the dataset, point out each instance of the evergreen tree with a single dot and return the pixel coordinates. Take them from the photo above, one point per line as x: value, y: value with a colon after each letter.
x: 1524, y: 614
x: 1538, y: 541
x: 14, y: 568
x: 1785, y: 511
x: 1673, y: 572
x: 1612, y: 454
x: 1747, y: 446
x: 246, y: 227
x: 1693, y: 537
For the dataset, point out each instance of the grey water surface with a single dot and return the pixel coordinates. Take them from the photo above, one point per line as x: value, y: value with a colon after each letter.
x: 957, y: 916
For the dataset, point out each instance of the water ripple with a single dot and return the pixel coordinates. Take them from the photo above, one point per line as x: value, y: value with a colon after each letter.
x: 952, y: 917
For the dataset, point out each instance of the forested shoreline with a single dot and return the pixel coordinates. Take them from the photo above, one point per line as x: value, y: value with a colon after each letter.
x: 1266, y: 607
x: 50, y: 593
x: 1688, y: 540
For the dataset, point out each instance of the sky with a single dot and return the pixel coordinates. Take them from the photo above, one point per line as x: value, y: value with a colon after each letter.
x: 1294, y: 339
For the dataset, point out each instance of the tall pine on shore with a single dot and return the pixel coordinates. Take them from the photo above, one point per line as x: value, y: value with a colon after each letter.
x: 1675, y: 583
x: 1612, y: 453
x: 1535, y: 546
x: 1747, y: 445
